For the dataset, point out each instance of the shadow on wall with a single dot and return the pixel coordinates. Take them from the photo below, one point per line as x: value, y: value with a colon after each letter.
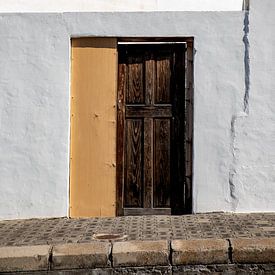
x: 246, y: 56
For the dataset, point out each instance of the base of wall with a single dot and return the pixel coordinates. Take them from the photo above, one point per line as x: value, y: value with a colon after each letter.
x: 190, y: 269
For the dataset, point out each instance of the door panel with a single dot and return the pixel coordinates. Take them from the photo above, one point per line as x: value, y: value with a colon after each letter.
x: 134, y: 163
x: 162, y: 172
x: 135, y: 91
x: 148, y: 161
x: 163, y: 78
x: 150, y: 146
x: 150, y: 79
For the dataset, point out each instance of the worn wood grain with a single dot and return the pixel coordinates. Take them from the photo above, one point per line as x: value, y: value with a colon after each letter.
x: 148, y: 161
x: 146, y: 211
x: 134, y: 163
x: 189, y: 98
x: 122, y: 84
x: 163, y: 77
x: 155, y: 137
x: 150, y: 79
x: 135, y: 91
x: 162, y: 163
x: 178, y: 148
x: 148, y: 111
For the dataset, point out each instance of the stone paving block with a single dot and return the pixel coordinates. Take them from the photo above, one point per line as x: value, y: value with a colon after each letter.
x: 198, y: 226
x: 140, y: 253
x: 253, y: 250
x: 88, y: 255
x: 24, y: 258
x: 200, y: 251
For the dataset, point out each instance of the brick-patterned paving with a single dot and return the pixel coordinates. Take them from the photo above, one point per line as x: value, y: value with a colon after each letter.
x: 64, y: 230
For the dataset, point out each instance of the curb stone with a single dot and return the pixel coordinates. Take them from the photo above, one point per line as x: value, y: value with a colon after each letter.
x: 86, y: 255
x: 25, y: 258
x: 259, y: 250
x: 137, y: 254
x: 140, y: 253
x: 201, y: 251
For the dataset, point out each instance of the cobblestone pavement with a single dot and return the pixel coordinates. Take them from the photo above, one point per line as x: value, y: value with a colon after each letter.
x: 64, y: 230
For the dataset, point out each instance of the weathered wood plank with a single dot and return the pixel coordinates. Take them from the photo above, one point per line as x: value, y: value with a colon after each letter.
x: 135, y: 91
x: 162, y: 186
x: 122, y: 84
x: 178, y: 144
x: 148, y: 111
x: 150, y: 80
x: 189, y: 126
x: 148, y: 161
x: 163, y: 77
x: 150, y: 75
x: 146, y: 211
x: 134, y: 163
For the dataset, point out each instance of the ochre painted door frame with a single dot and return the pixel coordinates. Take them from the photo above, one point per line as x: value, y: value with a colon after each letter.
x: 93, y: 127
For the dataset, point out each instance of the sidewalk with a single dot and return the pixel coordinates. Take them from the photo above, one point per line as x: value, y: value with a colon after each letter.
x: 222, y: 239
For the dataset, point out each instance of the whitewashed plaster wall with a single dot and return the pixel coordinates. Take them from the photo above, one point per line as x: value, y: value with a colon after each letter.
x: 253, y: 131
x: 118, y: 5
x: 234, y: 121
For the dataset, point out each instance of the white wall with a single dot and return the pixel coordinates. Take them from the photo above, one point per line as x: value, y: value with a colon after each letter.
x: 118, y: 5
x: 34, y: 120
x: 234, y: 155
x: 254, y: 143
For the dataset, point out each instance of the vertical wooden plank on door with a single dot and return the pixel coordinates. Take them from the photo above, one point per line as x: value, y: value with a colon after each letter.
x: 121, y: 91
x: 93, y: 127
x: 150, y: 75
x: 162, y: 189
x: 189, y: 125
x: 163, y: 78
x: 133, y: 163
x: 134, y: 134
x: 148, y: 161
x: 135, y: 91
x: 162, y: 142
x: 178, y: 149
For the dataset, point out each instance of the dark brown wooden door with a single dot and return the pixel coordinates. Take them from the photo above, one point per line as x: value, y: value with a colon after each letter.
x: 151, y: 129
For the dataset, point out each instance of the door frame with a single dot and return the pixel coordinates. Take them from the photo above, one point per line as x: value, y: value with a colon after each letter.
x: 189, y: 99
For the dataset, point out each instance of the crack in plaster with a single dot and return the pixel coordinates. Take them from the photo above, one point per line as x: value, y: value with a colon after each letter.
x: 245, y: 112
x: 246, y: 59
x: 232, y: 171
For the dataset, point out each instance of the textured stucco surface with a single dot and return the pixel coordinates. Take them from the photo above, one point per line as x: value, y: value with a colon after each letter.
x: 254, y: 144
x: 234, y: 155
x: 118, y: 5
x: 34, y: 116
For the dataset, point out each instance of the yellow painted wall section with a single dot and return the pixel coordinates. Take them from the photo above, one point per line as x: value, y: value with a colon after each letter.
x: 93, y: 127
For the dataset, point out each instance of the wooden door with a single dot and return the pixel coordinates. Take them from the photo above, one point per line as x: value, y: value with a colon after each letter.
x: 151, y: 129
